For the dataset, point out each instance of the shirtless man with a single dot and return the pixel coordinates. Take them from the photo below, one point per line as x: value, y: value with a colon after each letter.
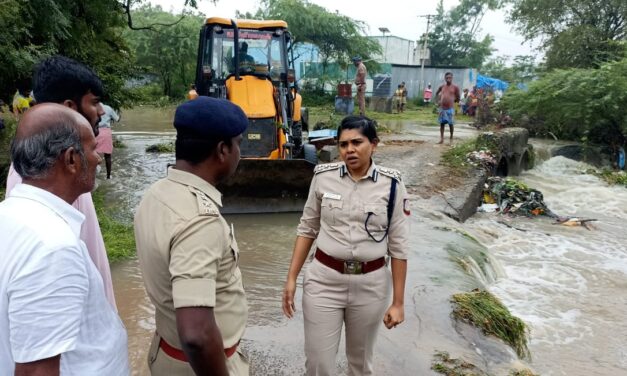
x: 446, y: 96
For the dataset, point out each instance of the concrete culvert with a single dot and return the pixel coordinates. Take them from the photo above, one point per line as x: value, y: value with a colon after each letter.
x: 502, y: 168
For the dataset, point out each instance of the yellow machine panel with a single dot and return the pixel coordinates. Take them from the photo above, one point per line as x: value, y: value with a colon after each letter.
x: 298, y: 101
x: 247, y: 24
x: 254, y: 95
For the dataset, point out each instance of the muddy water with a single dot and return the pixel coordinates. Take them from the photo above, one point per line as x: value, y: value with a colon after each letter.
x: 566, y: 283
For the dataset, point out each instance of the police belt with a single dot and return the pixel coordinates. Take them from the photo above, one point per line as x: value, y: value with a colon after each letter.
x: 349, y: 266
x: 177, y: 354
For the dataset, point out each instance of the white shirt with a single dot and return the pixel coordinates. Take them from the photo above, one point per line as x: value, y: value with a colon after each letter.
x: 108, y: 117
x: 52, y: 300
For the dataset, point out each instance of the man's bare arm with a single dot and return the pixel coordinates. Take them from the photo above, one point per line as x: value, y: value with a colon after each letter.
x: 43, y: 367
x: 201, y: 340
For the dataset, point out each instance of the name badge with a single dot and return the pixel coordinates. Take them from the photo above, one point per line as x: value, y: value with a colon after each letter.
x: 332, y: 196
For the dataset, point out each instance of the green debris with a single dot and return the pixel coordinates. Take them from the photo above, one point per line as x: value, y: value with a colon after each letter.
x: 509, y: 196
x: 483, y: 310
x: 118, y: 143
x: 610, y: 176
x: 167, y: 147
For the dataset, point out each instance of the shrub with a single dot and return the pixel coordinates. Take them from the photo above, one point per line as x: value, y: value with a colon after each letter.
x: 575, y: 104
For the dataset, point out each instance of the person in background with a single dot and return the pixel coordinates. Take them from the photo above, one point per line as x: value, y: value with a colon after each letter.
x: 447, y: 95
x: 403, y: 96
x: 187, y: 251
x: 427, y: 94
x: 105, y: 135
x: 463, y: 101
x: 54, y: 315
x: 22, y: 101
x: 59, y: 79
x: 357, y: 213
x: 360, y: 81
x: 192, y: 93
x: 398, y: 98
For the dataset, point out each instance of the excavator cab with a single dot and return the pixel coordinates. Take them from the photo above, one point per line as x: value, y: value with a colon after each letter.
x: 249, y: 63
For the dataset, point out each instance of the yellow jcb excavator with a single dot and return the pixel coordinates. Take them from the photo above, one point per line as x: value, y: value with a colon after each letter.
x: 250, y: 63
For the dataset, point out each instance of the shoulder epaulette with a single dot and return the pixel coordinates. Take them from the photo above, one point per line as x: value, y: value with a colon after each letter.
x: 205, y: 205
x: 326, y: 167
x: 390, y: 172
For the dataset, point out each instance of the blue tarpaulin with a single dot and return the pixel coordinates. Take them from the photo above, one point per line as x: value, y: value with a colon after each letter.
x: 494, y: 83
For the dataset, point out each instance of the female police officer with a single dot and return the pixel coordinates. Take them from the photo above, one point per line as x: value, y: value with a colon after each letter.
x: 357, y: 214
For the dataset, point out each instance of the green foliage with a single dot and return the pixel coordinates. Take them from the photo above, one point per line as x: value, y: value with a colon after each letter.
x: 574, y: 33
x: 119, y: 238
x: 337, y: 37
x: 456, y: 157
x: 6, y: 135
x: 166, y: 51
x: 160, y: 148
x: 611, y: 177
x: 486, y: 312
x: 88, y: 31
x: 454, y: 40
x: 575, y: 103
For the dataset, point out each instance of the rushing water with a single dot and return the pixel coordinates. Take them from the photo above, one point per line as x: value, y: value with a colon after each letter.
x: 567, y: 283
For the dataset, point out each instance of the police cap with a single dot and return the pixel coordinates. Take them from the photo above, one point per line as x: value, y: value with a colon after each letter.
x: 209, y: 118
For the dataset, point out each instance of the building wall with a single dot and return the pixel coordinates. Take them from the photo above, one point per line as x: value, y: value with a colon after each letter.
x: 462, y: 77
x: 395, y: 50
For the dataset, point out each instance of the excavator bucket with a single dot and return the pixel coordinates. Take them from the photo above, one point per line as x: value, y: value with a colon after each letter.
x: 267, y: 186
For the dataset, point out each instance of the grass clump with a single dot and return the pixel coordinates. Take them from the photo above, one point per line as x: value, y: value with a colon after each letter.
x: 486, y: 312
x: 119, y: 237
x: 444, y: 364
x: 118, y: 143
x: 456, y: 157
x: 166, y: 147
x: 610, y: 176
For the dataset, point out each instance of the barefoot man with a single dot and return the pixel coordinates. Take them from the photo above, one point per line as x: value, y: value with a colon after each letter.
x: 446, y: 96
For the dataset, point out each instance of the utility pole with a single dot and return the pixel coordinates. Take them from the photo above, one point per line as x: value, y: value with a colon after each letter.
x: 423, y: 53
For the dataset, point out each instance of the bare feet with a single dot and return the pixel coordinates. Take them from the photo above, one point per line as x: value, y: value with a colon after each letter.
x: 441, y: 142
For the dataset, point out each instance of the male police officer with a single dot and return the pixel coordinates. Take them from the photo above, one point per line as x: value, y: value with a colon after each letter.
x: 187, y: 252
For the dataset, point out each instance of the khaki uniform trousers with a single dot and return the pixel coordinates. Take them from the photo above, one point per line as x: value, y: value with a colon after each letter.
x: 331, y: 299
x: 160, y: 364
x: 361, y: 98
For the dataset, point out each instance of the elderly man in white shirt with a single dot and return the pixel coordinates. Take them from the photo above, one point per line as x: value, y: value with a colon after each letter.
x: 54, y: 315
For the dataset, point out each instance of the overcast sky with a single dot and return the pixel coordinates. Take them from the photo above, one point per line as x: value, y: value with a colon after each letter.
x: 399, y: 16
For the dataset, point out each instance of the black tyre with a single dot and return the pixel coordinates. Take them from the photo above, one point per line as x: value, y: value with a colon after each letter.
x: 297, y: 136
x: 311, y: 155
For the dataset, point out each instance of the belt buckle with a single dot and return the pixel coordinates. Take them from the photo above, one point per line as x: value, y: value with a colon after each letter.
x: 352, y: 267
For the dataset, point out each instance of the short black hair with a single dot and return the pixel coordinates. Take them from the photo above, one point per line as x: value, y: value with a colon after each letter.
x: 447, y: 73
x: 195, y: 148
x: 59, y: 78
x: 366, y: 126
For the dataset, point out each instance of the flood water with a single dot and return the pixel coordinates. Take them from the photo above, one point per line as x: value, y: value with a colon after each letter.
x: 566, y: 283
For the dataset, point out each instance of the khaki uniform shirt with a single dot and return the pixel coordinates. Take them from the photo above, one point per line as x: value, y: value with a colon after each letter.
x: 360, y: 76
x: 188, y: 255
x: 337, y: 208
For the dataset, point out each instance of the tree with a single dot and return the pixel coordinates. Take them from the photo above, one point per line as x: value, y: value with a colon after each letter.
x: 338, y: 37
x: 574, y: 33
x: 575, y: 104
x: 454, y: 40
x: 522, y: 70
x: 88, y: 31
x: 167, y: 48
